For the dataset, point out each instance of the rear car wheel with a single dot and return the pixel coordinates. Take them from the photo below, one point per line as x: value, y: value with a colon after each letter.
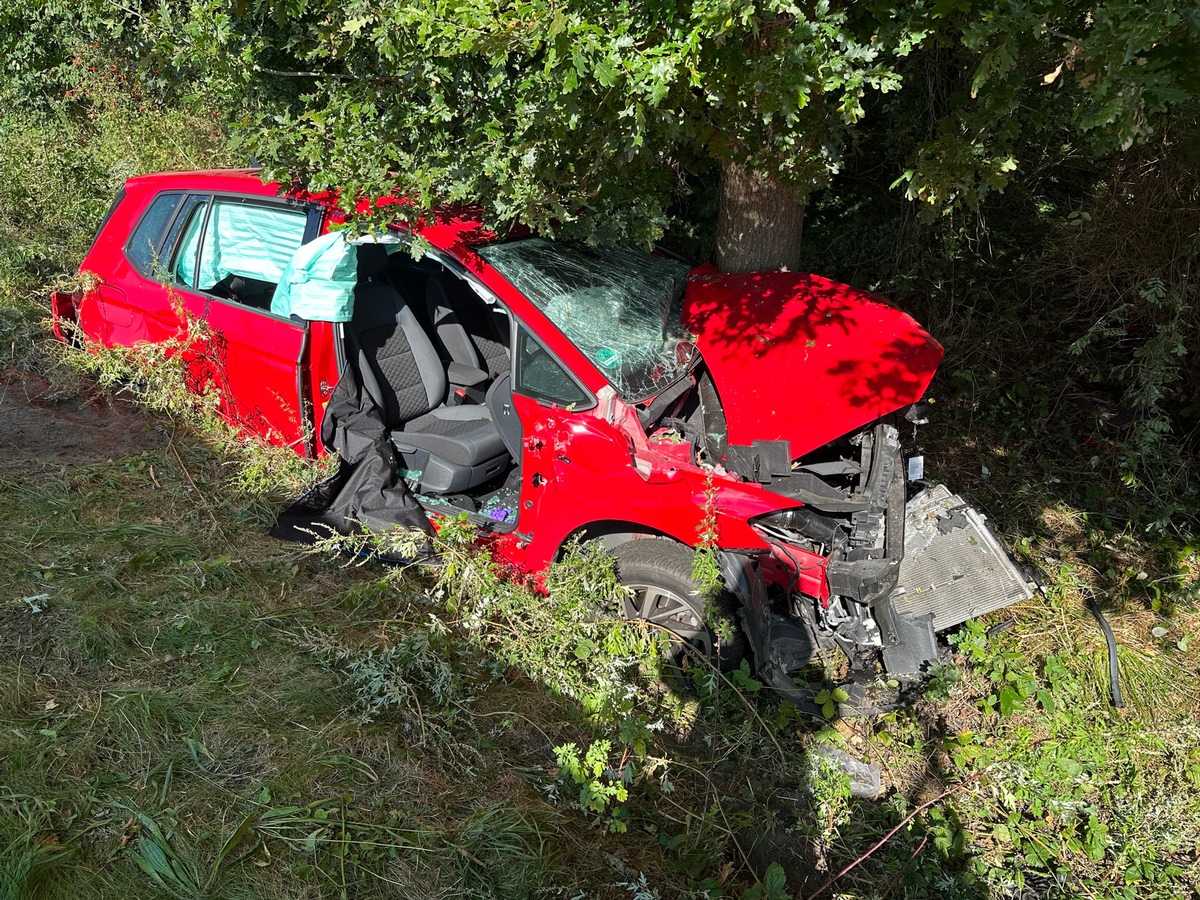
x: 658, y: 572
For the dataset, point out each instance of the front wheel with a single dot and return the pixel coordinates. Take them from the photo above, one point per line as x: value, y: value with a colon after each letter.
x: 658, y: 573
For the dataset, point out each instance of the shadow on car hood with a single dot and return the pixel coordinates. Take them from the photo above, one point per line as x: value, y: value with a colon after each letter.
x: 803, y: 359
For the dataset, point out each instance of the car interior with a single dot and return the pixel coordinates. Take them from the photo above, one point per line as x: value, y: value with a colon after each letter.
x: 432, y: 354
x: 438, y: 369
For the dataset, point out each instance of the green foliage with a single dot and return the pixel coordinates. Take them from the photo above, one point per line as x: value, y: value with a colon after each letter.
x: 772, y: 887
x: 63, y: 158
x: 1007, y: 670
x: 157, y: 856
x: 590, y: 120
x: 601, y: 788
x: 574, y: 639
x: 828, y: 699
x: 411, y: 678
x: 1011, y: 82
x: 579, y: 119
x: 1046, y: 796
x: 26, y: 866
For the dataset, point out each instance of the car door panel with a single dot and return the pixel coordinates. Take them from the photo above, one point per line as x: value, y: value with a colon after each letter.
x: 253, y: 360
x: 256, y: 362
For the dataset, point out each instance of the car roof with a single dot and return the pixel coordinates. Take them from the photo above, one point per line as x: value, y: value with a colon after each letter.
x: 458, y: 224
x: 243, y: 180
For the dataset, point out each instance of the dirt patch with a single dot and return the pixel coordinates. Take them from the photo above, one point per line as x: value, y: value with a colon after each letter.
x: 41, y: 426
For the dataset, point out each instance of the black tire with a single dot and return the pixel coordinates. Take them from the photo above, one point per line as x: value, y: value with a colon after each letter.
x: 659, y: 571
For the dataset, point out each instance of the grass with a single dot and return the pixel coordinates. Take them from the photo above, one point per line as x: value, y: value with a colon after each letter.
x: 190, y: 709
x: 167, y: 690
x: 200, y: 711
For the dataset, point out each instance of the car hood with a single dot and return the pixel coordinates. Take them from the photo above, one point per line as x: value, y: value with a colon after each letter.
x: 804, y: 359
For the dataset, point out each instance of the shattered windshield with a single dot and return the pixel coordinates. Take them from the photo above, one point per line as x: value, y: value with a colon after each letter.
x: 619, y: 305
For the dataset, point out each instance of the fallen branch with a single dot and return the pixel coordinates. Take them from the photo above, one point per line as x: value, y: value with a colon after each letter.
x: 887, y: 837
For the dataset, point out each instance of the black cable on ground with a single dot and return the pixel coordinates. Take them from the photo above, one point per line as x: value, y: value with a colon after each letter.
x: 1002, y: 627
x: 1114, y: 669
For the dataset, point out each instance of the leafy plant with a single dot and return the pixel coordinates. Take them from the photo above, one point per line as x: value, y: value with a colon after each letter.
x: 26, y: 864
x: 602, y: 789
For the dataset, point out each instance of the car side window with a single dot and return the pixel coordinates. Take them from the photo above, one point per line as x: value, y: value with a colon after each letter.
x: 145, y: 244
x: 540, y: 376
x: 190, y: 226
x: 249, y: 242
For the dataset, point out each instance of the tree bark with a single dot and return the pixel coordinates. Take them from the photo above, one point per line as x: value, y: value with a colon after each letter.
x: 759, y: 222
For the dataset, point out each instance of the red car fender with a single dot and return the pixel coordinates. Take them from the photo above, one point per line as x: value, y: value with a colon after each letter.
x: 582, y: 472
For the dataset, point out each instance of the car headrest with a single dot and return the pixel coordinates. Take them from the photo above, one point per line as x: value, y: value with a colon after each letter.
x: 372, y: 260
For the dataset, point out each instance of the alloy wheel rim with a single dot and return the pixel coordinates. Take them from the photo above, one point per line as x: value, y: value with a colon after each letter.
x: 675, y: 614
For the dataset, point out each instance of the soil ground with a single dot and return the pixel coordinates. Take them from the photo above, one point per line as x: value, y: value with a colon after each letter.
x: 40, y: 425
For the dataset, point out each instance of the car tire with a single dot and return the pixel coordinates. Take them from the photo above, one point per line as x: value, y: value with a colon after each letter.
x: 659, y: 573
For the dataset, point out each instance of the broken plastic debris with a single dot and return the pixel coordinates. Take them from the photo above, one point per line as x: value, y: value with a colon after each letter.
x: 37, y: 603
x: 866, y: 779
x: 954, y: 518
x: 916, y: 468
x: 501, y: 514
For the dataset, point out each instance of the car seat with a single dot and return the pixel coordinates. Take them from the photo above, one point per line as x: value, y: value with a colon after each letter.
x: 466, y: 326
x: 448, y: 448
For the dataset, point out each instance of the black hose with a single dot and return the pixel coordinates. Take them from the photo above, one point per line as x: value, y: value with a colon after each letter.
x: 1006, y: 625
x: 1114, y: 668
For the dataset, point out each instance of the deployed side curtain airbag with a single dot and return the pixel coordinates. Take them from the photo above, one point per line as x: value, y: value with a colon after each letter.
x: 318, y: 281
x: 250, y: 241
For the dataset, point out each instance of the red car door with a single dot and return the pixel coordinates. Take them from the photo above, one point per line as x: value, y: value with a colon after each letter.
x: 256, y: 363
x: 226, y: 259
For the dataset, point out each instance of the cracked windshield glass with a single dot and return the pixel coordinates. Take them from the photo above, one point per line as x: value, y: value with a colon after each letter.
x: 620, y: 305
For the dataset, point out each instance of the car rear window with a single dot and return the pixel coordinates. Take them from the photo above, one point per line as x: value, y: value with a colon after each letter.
x: 145, y: 243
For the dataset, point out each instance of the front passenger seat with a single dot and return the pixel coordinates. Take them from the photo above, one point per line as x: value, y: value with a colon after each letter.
x: 449, y: 449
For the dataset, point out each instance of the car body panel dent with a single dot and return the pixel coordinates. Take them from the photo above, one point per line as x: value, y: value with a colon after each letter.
x: 579, y: 468
x: 804, y: 359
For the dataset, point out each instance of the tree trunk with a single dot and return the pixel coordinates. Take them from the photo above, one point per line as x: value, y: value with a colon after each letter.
x: 759, y: 223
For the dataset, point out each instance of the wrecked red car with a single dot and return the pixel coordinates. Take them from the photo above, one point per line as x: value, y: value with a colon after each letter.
x: 554, y: 391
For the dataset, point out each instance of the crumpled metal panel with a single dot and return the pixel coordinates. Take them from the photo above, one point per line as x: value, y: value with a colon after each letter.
x: 953, y: 565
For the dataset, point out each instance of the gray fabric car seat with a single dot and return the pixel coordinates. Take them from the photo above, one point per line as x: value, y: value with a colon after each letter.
x: 453, y: 448
x: 465, y: 325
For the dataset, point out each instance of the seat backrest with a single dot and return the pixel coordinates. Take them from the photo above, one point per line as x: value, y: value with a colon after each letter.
x: 466, y: 326
x: 397, y: 362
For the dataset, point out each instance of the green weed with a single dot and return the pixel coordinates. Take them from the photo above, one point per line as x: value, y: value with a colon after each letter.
x: 27, y: 864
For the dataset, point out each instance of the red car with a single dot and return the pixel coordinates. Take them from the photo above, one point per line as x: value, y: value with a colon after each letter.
x: 554, y: 390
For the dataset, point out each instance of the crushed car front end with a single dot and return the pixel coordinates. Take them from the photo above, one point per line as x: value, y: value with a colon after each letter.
x: 899, y: 560
x: 810, y: 391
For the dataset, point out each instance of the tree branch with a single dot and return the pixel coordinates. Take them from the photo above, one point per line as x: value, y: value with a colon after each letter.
x: 887, y: 837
